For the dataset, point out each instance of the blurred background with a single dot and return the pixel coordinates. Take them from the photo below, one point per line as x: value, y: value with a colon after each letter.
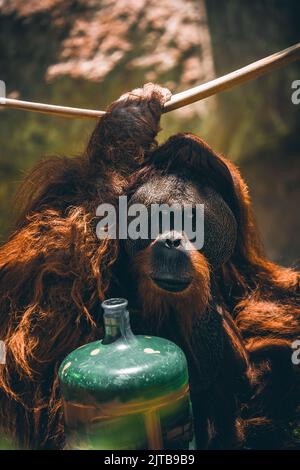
x: 85, y: 53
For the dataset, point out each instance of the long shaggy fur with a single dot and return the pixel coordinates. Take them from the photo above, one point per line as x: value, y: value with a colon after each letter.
x: 254, y: 401
x: 54, y: 273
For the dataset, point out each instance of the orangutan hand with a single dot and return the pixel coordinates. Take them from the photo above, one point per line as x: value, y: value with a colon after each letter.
x: 129, y: 127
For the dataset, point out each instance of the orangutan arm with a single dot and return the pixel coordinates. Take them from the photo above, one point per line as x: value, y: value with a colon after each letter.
x: 129, y: 127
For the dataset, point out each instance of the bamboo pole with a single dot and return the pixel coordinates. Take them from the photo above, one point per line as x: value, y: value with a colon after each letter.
x: 249, y: 72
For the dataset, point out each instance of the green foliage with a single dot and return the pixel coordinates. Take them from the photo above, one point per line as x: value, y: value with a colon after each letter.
x: 6, y: 444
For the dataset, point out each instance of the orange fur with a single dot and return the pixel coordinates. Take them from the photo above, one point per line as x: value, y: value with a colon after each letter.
x: 54, y: 271
x: 156, y: 303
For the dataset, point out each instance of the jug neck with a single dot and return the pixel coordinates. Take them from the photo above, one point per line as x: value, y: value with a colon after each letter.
x: 116, y: 321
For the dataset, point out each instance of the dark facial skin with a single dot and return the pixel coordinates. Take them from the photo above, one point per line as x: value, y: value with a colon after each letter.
x: 171, y: 266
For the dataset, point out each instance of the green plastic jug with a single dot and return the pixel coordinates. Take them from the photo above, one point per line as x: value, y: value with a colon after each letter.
x: 126, y: 391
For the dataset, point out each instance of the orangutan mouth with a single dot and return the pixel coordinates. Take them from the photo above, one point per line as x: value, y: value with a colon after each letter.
x: 171, y: 285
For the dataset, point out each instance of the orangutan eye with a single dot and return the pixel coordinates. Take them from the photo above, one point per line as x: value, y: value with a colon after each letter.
x: 190, y: 215
x: 189, y: 219
x: 164, y: 216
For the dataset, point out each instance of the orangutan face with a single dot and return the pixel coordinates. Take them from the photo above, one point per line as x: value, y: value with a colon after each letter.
x: 169, y: 264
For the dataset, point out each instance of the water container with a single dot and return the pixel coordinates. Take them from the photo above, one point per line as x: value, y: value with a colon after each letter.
x: 126, y: 391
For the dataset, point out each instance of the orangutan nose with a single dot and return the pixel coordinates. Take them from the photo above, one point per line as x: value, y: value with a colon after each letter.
x: 171, y: 240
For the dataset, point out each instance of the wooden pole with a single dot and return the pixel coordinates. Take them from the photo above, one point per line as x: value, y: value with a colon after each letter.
x: 249, y: 72
x: 63, y: 111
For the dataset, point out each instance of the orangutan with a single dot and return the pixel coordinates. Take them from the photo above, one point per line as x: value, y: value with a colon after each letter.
x: 234, y: 313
